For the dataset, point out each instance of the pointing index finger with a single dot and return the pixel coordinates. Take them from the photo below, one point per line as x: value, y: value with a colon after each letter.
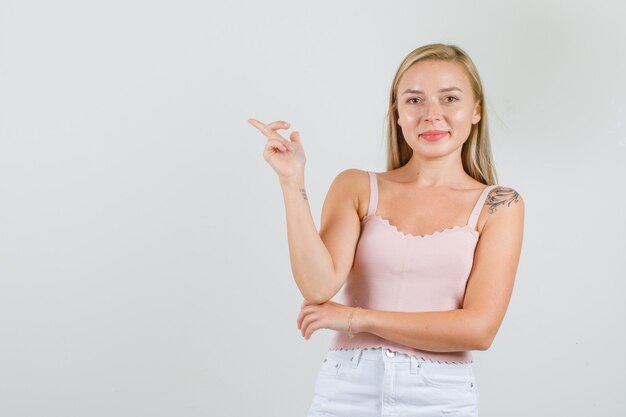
x: 270, y: 130
x: 269, y: 133
x: 257, y: 124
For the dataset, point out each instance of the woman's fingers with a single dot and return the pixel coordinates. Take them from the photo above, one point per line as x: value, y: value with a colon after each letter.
x: 299, y: 321
x: 301, y: 317
x: 275, y: 143
x: 269, y: 131
x: 306, y: 325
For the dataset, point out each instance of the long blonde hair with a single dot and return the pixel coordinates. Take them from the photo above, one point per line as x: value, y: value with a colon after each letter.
x: 476, y: 152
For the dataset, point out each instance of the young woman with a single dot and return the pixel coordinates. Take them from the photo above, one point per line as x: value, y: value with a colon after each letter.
x: 426, y: 252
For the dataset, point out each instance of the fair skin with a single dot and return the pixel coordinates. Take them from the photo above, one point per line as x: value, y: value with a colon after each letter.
x: 434, y: 174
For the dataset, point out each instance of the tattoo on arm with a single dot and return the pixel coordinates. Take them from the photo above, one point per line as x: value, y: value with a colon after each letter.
x: 303, y: 193
x: 501, y: 195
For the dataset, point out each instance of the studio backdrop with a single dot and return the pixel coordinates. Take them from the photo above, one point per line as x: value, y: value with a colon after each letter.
x: 144, y: 266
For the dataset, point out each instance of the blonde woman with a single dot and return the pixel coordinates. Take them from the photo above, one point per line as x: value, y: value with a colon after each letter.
x: 426, y: 251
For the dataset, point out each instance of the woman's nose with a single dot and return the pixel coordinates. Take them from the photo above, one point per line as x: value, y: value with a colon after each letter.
x: 433, y: 111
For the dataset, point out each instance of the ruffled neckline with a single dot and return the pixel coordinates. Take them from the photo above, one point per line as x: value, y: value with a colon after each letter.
x: 408, y: 235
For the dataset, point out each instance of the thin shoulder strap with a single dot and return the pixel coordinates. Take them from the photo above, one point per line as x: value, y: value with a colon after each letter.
x: 479, y: 206
x: 373, y: 194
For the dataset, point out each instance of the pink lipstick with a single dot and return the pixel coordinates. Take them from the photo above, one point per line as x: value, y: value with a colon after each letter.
x: 434, y: 135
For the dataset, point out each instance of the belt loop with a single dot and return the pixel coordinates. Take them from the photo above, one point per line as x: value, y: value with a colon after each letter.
x: 413, y: 365
x: 356, y: 357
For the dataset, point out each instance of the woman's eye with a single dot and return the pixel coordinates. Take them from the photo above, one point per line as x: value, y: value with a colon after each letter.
x: 411, y: 100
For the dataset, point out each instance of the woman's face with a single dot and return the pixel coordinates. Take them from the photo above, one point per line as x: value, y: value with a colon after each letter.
x: 424, y: 105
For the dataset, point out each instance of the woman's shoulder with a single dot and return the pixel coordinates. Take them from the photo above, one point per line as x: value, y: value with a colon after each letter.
x: 356, y: 182
x: 353, y: 179
x: 352, y: 172
x: 502, y: 195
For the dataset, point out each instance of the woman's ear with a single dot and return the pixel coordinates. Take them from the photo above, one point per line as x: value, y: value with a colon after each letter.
x: 476, y: 116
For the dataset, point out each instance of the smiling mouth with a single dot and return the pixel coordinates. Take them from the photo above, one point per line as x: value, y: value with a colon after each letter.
x: 431, y: 137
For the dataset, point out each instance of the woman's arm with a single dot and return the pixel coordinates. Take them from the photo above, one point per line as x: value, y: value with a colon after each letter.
x: 435, y: 331
x: 487, y: 295
x: 320, y: 262
x: 311, y: 263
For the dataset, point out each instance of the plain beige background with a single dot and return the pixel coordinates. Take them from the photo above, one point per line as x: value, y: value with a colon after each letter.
x: 144, y: 268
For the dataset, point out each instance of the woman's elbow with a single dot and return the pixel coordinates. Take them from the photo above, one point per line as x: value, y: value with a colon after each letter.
x: 322, y: 297
x: 486, y: 339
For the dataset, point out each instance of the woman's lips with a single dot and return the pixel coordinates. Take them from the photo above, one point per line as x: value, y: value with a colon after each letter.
x: 432, y: 137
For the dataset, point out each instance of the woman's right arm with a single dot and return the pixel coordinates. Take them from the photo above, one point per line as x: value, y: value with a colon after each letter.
x: 320, y: 262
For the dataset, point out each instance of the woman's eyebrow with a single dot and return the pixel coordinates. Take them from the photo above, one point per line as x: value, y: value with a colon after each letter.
x: 411, y: 91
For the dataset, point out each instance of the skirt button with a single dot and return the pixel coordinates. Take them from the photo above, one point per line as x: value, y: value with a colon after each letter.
x: 390, y: 353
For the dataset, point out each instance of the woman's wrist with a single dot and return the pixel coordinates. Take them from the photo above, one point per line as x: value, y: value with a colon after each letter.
x: 357, y: 321
x: 296, y: 179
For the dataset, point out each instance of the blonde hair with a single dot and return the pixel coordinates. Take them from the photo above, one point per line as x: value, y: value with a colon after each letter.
x: 476, y: 152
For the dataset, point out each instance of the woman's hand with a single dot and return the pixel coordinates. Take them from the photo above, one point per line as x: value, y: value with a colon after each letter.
x: 329, y: 315
x: 286, y: 157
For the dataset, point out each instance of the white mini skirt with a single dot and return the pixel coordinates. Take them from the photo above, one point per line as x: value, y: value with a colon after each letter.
x: 380, y: 382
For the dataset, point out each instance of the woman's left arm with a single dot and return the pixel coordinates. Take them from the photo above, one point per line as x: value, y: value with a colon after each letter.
x: 487, y: 295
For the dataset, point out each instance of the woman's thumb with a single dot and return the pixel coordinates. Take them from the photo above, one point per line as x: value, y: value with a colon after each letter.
x: 295, y: 136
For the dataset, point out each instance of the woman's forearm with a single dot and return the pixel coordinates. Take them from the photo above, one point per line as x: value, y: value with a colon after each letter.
x: 435, y: 331
x: 311, y: 263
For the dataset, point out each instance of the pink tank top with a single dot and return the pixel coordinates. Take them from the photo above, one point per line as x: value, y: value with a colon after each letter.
x: 396, y: 271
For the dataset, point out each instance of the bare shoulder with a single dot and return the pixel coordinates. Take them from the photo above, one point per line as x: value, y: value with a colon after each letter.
x: 355, y: 183
x: 505, y: 208
x: 504, y: 196
x: 352, y: 179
